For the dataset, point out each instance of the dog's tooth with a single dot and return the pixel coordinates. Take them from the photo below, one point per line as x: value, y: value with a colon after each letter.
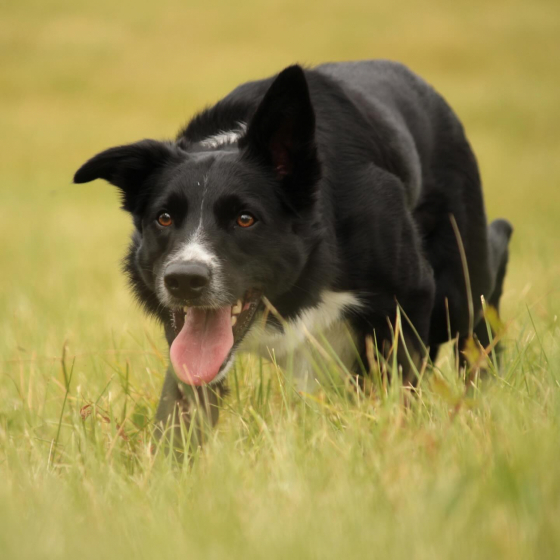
x: 233, y: 320
x: 185, y: 309
x: 236, y: 309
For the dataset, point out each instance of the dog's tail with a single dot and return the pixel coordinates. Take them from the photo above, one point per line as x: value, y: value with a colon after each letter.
x: 499, y: 234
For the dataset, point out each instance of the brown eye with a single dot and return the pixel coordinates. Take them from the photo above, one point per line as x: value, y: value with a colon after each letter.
x: 164, y: 219
x: 245, y: 220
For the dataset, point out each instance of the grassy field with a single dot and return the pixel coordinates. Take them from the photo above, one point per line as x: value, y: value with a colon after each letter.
x: 456, y: 474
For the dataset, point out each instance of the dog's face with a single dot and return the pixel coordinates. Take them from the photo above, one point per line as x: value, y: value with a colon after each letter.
x: 217, y: 228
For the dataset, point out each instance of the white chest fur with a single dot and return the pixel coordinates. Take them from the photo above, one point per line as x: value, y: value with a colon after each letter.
x: 318, y: 333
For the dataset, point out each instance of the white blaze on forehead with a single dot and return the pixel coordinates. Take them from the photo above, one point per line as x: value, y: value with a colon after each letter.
x: 197, y: 248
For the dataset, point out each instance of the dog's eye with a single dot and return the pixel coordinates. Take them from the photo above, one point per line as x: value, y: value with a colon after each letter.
x: 245, y: 220
x: 164, y: 219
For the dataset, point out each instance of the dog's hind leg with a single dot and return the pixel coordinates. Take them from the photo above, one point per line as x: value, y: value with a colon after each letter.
x: 499, y: 234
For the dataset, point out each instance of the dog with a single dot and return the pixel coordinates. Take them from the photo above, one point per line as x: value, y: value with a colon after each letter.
x: 314, y: 202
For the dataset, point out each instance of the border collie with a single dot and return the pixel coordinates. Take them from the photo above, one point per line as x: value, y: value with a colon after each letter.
x: 311, y: 202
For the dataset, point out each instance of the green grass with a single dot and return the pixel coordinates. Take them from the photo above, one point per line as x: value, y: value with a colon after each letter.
x: 452, y: 474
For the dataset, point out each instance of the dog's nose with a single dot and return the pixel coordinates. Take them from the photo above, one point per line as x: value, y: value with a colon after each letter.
x: 186, y: 280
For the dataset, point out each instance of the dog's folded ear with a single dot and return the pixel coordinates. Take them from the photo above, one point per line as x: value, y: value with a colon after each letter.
x: 129, y: 168
x: 281, y: 134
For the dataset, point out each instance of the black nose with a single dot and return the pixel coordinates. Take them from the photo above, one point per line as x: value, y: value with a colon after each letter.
x: 186, y: 280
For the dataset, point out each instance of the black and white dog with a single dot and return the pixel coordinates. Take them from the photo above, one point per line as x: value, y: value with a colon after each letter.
x: 336, y: 193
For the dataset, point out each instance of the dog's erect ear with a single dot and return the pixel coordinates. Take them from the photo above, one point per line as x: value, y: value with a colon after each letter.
x: 282, y: 132
x: 128, y: 168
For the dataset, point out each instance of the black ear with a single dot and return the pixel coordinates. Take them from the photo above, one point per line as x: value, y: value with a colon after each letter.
x: 281, y: 134
x: 128, y: 168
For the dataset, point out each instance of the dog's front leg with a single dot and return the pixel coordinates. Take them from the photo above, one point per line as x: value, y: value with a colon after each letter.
x: 186, y: 414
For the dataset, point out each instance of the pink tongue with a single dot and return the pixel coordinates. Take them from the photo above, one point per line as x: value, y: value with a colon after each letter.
x: 202, y: 346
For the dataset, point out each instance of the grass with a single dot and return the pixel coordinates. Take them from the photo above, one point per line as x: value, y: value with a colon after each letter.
x: 462, y: 472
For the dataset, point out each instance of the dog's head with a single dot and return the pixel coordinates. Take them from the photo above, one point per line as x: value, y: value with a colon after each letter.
x: 218, y: 227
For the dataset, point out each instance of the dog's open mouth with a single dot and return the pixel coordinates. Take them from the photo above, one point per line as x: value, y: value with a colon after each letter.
x: 206, y: 338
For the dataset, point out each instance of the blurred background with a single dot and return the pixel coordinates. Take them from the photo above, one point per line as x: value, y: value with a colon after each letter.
x: 79, y: 76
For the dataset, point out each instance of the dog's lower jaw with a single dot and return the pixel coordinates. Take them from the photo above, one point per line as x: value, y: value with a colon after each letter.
x: 224, y: 370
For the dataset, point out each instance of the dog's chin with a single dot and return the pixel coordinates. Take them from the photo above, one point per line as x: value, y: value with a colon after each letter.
x: 206, y: 338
